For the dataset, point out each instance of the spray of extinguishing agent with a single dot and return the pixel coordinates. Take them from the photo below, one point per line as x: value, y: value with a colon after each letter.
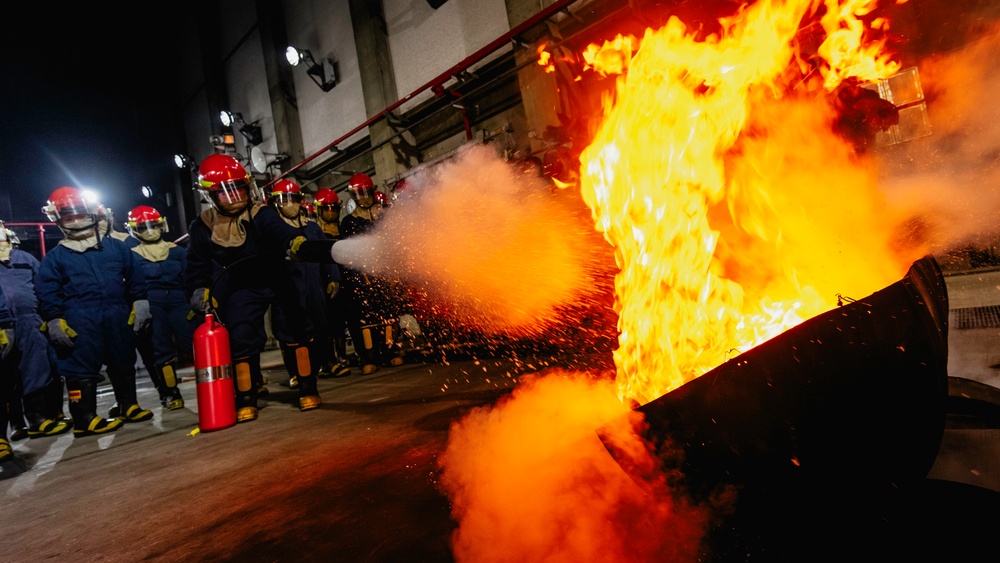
x: 213, y: 365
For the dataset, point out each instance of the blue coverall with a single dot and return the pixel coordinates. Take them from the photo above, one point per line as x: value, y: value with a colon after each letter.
x: 169, y: 305
x: 245, y: 280
x: 308, y: 281
x: 17, y: 279
x: 93, y: 291
x: 7, y: 371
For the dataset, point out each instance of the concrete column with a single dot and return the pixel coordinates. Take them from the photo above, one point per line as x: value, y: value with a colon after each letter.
x: 378, y: 81
x: 539, y: 93
x: 280, y: 82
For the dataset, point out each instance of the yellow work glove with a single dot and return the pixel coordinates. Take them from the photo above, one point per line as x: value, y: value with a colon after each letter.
x: 141, y: 317
x: 199, y: 300
x: 293, y: 248
x: 331, y: 289
x: 302, y: 250
x: 60, y: 333
x: 6, y: 342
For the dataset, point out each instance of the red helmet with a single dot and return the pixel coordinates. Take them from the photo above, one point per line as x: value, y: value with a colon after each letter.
x: 145, y: 223
x: 70, y: 210
x: 361, y: 186
x: 68, y: 202
x: 401, y: 186
x: 360, y: 181
x: 382, y: 199
x: 326, y: 196
x: 286, y: 191
x: 227, y: 183
x: 285, y: 187
x: 309, y: 210
x: 327, y: 205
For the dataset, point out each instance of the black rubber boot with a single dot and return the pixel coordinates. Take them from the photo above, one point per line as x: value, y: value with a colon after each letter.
x: 288, y: 359
x: 40, y: 422
x: 308, y: 358
x: 83, y: 409
x: 246, y: 390
x: 126, y: 406
x: 55, y: 399
x: 15, y: 409
x: 170, y: 395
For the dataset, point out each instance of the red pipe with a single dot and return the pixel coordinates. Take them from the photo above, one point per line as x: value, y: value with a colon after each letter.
x: 439, y: 80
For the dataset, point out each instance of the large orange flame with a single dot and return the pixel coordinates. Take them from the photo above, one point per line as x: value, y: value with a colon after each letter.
x: 734, y: 209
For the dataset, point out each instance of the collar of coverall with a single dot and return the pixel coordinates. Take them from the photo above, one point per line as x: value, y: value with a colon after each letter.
x: 229, y: 231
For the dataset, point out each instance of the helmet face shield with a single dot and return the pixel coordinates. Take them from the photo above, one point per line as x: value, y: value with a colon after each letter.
x: 289, y: 209
x: 77, y: 222
x: 147, y: 231
x: 78, y: 226
x: 328, y: 213
x: 285, y: 198
x: 365, y: 197
x: 230, y: 196
x: 231, y: 191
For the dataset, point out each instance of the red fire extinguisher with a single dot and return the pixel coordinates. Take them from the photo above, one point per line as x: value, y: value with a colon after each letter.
x: 214, y: 376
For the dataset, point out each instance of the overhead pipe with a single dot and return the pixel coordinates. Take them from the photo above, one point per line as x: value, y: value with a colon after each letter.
x: 438, y: 81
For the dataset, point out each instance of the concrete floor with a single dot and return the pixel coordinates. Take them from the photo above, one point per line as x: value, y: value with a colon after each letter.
x: 358, y: 479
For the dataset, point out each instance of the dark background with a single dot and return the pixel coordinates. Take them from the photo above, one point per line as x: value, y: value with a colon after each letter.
x: 88, y: 99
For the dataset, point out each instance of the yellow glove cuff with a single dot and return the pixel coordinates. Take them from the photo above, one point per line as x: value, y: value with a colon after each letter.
x: 215, y: 304
x: 69, y: 332
x: 296, y: 243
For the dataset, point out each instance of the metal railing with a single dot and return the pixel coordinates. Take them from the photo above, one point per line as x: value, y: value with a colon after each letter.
x: 41, y: 232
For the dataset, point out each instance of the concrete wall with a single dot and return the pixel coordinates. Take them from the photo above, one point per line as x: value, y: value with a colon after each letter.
x: 324, y: 28
x: 426, y: 42
x: 228, y: 51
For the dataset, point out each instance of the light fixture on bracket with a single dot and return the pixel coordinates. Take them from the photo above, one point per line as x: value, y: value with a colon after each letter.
x: 251, y: 131
x: 183, y: 161
x: 322, y: 73
x: 149, y: 193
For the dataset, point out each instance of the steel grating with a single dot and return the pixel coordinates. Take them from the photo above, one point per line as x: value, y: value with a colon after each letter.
x: 975, y: 317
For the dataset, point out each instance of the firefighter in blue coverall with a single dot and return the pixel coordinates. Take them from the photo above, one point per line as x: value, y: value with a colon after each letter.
x: 313, y: 283
x: 172, y: 329
x: 236, y: 257
x: 41, y: 387
x: 8, y: 372
x: 371, y: 322
x: 86, y: 287
x: 328, y: 207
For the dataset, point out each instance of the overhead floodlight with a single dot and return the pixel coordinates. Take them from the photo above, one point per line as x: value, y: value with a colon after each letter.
x: 322, y: 73
x: 182, y: 161
x: 292, y: 56
x: 251, y: 131
x: 90, y: 195
x: 147, y: 191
